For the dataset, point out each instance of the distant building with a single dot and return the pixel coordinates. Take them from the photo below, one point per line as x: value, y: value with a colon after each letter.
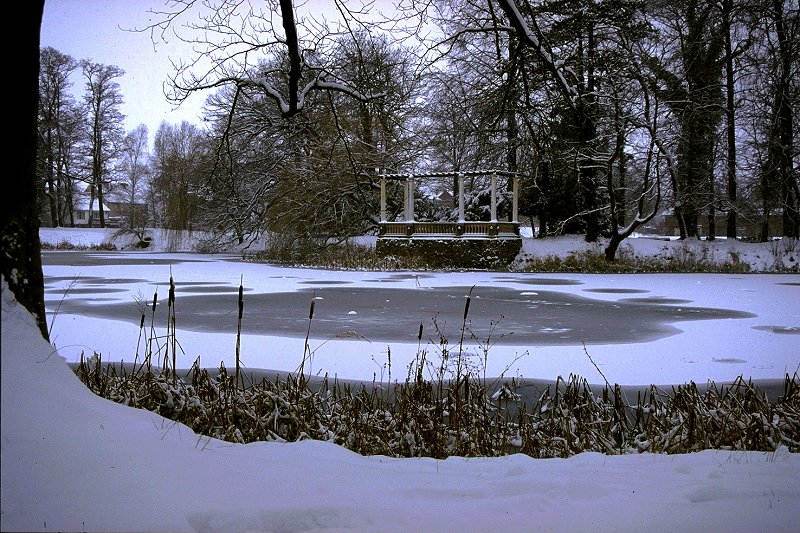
x: 80, y: 210
x: 121, y: 209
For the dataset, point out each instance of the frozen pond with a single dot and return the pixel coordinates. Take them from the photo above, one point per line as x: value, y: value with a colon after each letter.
x: 668, y: 326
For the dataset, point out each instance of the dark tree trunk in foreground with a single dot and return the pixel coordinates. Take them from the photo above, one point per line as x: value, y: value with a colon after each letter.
x: 19, y: 231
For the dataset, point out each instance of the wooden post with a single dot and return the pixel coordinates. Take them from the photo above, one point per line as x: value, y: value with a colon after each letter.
x: 515, y: 201
x: 460, y: 197
x: 494, y: 198
x: 383, y: 199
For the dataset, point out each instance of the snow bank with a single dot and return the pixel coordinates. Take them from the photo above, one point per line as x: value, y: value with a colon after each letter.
x: 161, y: 240
x: 776, y: 255
x: 73, y: 461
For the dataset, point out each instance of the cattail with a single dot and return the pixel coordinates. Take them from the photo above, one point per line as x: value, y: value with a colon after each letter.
x: 138, y: 342
x: 419, y: 333
x: 171, y: 321
x: 239, y: 329
x: 152, y: 330
x: 311, y: 311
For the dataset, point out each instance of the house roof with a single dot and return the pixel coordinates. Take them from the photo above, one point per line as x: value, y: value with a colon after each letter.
x: 81, y: 197
x: 81, y: 202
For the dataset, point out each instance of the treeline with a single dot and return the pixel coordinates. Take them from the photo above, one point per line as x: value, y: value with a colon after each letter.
x: 86, y: 160
x: 613, y: 112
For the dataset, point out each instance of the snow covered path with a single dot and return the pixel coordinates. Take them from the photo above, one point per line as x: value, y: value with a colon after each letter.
x: 73, y: 461
x: 762, y: 345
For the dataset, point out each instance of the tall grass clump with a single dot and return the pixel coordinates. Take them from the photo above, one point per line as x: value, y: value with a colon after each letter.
x: 594, y: 262
x: 320, y: 253
x: 66, y: 245
x: 420, y: 417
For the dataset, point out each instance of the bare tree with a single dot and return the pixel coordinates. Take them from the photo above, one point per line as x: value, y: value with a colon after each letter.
x: 771, y: 115
x: 55, y: 102
x: 786, y: 26
x: 135, y: 171
x: 235, y: 39
x: 180, y: 155
x: 730, y: 118
x: 102, y: 100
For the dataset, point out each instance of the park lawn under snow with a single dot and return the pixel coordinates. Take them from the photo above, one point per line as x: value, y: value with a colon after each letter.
x: 74, y: 461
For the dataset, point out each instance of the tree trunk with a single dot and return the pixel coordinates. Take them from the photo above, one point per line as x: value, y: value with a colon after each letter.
x: 19, y: 231
x: 764, y: 234
x: 622, y: 190
x: 91, y: 205
x: 52, y: 190
x: 544, y: 205
x: 789, y: 188
x: 69, y: 202
x: 613, y: 245
x: 712, y: 210
x: 712, y: 222
x: 587, y: 140
x: 619, y: 190
x: 730, y: 126
x: 587, y: 180
x: 100, y: 203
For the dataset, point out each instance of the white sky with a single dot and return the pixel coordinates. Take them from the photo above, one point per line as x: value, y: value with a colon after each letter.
x: 92, y: 29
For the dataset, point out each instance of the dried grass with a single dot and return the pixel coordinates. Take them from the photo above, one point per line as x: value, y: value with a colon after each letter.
x: 453, y: 412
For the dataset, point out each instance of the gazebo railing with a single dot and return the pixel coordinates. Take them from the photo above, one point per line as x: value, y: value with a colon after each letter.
x: 463, y: 228
x: 432, y: 230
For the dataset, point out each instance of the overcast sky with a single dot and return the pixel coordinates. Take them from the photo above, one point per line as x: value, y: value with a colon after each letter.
x: 92, y: 29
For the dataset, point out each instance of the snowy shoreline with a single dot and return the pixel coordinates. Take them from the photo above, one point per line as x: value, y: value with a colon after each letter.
x: 780, y: 255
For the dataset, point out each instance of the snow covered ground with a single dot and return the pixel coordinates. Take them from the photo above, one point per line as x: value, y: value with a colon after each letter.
x: 161, y: 240
x: 762, y: 257
x: 776, y: 255
x: 764, y: 346
x: 73, y: 461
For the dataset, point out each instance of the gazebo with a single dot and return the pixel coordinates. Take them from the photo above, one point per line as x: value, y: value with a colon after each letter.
x: 468, y: 243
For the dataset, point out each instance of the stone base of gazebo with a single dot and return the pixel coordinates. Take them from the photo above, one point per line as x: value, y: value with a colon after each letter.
x: 444, y: 252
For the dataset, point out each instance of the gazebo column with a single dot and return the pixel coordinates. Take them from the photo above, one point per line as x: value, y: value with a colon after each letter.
x: 410, y: 199
x: 515, y: 201
x: 383, y: 199
x: 493, y: 203
x: 461, y: 197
